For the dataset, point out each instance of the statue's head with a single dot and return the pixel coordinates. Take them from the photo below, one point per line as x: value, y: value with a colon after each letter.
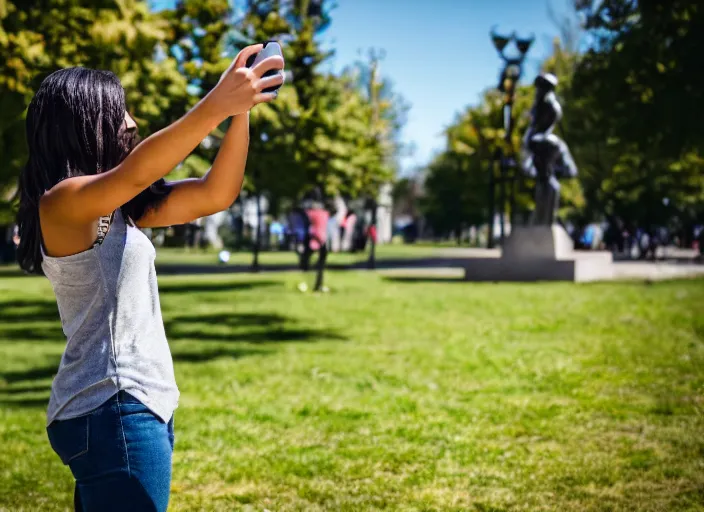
x: 545, y: 82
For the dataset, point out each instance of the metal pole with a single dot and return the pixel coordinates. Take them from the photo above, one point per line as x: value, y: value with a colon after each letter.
x: 502, y: 198
x: 512, y: 197
x: 508, y: 126
x: 371, y: 262
x: 510, y: 76
x: 490, y: 238
x: 255, y: 261
x: 374, y: 98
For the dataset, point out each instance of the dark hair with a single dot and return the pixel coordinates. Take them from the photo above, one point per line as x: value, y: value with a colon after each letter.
x: 75, y: 127
x: 313, y: 198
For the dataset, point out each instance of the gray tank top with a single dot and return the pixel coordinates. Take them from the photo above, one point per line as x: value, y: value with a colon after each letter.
x: 109, y: 306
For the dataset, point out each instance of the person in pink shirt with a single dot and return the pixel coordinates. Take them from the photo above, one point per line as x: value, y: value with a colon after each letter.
x: 318, y: 217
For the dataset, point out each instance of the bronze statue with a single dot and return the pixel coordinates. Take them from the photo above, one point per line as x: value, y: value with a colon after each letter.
x: 547, y: 157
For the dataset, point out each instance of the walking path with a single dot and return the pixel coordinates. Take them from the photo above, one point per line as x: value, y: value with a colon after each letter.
x: 446, y: 263
x: 450, y: 262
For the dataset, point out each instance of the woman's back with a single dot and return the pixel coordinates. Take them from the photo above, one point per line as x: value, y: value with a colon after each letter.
x: 109, y: 306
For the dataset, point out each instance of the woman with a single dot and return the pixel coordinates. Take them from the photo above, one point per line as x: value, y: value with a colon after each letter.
x: 86, y: 189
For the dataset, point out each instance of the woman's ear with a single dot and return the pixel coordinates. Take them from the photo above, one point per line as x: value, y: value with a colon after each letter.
x: 130, y: 123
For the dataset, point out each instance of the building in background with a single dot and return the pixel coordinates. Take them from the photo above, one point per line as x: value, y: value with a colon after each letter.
x: 384, y: 214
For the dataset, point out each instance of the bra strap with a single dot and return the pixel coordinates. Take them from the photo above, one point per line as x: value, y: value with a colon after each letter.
x: 103, y: 228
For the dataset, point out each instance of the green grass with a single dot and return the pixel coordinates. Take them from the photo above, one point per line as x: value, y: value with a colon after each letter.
x: 209, y: 256
x: 397, y: 395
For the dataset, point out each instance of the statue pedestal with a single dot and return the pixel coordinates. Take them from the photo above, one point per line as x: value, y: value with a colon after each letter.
x: 541, y: 253
x: 538, y: 242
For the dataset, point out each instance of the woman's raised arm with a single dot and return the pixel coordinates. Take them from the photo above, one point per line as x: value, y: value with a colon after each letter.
x: 82, y: 199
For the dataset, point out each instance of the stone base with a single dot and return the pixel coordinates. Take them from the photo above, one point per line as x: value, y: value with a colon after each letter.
x: 596, y: 267
x: 541, y: 253
x: 538, y: 242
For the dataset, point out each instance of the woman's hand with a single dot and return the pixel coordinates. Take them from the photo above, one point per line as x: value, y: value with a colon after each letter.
x: 244, y: 54
x: 240, y: 88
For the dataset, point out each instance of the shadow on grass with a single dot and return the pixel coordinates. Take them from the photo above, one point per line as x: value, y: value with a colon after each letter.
x: 34, y: 403
x: 47, y: 333
x: 12, y: 271
x: 38, y: 388
x: 214, y: 286
x: 213, y: 336
x: 282, y: 335
x: 30, y: 320
x: 26, y: 310
x: 234, y: 319
x: 209, y: 355
x: 424, y: 279
x: 357, y: 264
x: 21, y: 389
x: 256, y: 328
x: 39, y: 373
x: 240, y: 335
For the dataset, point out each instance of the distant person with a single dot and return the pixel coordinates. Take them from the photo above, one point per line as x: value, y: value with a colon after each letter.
x: 333, y: 234
x: 588, y: 236
x: 337, y: 221
x: 298, y: 232
x: 8, y: 244
x: 348, y: 230
x: 277, y: 232
x: 86, y: 189
x: 318, y: 217
x: 372, y: 233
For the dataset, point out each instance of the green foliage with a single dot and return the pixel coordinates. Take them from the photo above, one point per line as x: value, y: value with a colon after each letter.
x: 391, y: 109
x: 641, y: 65
x: 406, y: 196
x: 637, y: 94
x: 119, y: 35
x: 322, y: 129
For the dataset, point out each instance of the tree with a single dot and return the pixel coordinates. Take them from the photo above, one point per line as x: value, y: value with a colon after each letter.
x: 118, y: 35
x: 390, y: 108
x: 321, y: 130
x: 406, y: 194
x: 199, y: 41
x: 318, y: 132
x: 639, y: 94
x: 640, y: 64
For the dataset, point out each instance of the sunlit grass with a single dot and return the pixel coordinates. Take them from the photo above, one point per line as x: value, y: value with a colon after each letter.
x: 397, y: 395
x: 180, y: 256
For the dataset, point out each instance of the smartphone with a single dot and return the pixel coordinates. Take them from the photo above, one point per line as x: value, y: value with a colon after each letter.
x: 271, y: 48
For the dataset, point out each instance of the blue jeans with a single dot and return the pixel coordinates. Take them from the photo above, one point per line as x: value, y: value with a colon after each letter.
x: 119, y: 454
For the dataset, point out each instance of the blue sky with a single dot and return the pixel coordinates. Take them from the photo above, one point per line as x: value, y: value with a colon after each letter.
x: 438, y: 52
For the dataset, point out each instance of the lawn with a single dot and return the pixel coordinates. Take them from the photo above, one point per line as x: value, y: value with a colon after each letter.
x: 393, y: 394
x: 178, y: 256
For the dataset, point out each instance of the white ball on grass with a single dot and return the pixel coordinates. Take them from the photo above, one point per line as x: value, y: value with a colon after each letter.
x: 224, y: 256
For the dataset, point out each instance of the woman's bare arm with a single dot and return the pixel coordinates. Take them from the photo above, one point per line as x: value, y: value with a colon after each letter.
x: 216, y: 191
x: 81, y: 200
